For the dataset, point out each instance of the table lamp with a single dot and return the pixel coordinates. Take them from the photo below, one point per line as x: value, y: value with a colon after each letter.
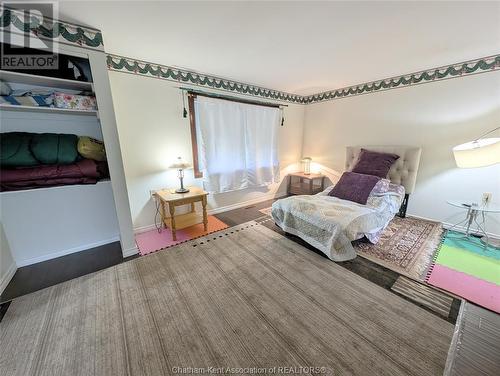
x: 306, y: 164
x: 180, y: 165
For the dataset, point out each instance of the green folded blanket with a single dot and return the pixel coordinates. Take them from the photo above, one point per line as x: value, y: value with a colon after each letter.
x: 19, y: 149
x: 51, y: 148
x: 15, y: 150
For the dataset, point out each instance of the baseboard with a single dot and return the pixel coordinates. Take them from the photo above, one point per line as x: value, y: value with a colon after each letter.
x: 222, y: 209
x: 64, y: 252
x: 130, y: 252
x: 138, y: 230
x: 447, y: 225
x: 4, y: 281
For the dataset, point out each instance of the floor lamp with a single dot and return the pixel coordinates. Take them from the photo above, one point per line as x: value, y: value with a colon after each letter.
x: 481, y: 152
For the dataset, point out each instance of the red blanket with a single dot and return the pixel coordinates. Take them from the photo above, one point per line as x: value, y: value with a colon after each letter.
x: 85, y: 171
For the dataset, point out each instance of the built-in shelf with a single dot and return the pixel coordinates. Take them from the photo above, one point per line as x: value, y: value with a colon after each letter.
x: 61, y: 187
x: 52, y: 82
x: 40, y: 109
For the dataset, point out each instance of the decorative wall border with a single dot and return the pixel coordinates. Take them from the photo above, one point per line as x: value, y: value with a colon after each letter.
x: 165, y: 72
x: 47, y: 28
x: 467, y: 68
x: 145, y: 68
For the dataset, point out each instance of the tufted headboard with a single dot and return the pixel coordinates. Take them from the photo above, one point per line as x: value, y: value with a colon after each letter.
x: 403, y: 172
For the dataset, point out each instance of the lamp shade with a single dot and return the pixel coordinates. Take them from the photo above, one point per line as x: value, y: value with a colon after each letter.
x: 479, y: 153
x: 180, y: 164
x: 306, y: 165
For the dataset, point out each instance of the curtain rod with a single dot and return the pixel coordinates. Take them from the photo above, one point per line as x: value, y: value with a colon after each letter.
x: 231, y: 98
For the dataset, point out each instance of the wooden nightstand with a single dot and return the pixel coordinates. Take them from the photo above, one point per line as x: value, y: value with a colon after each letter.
x: 168, y: 198
x: 302, y: 184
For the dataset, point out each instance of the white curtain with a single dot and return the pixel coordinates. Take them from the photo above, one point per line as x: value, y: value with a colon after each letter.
x: 237, y: 144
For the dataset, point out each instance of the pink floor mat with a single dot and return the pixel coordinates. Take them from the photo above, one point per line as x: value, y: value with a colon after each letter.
x: 476, y: 290
x: 152, y: 241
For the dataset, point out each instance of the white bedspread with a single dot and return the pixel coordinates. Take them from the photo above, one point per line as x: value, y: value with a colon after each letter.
x: 331, y: 224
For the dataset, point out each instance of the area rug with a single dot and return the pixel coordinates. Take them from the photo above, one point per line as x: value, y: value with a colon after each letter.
x: 407, y: 246
x: 423, y: 294
x: 468, y: 269
x: 152, y: 241
x: 246, y: 297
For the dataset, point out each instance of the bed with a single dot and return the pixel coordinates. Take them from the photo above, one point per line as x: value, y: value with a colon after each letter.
x: 331, y: 224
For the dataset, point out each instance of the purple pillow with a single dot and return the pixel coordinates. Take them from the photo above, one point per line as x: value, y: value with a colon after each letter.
x: 374, y: 163
x: 354, y: 187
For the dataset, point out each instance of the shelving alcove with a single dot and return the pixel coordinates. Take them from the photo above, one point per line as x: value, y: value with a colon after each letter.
x: 44, y: 223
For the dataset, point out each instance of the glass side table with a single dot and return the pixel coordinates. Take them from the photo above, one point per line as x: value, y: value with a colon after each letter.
x: 473, y: 213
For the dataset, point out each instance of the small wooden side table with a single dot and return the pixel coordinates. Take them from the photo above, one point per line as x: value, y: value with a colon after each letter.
x: 305, y: 184
x: 168, y: 198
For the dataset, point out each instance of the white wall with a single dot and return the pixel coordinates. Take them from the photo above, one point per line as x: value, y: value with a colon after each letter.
x: 435, y: 116
x: 7, y: 263
x: 41, y: 224
x: 153, y: 133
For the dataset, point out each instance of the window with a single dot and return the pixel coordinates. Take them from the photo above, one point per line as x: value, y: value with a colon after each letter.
x: 235, y: 144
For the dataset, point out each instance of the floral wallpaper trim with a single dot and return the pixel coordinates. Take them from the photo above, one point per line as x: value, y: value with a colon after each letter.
x: 134, y: 66
x: 48, y: 28
x: 482, y: 65
x: 144, y: 68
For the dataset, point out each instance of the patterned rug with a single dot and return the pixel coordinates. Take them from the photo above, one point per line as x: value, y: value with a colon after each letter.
x: 406, y: 246
x: 468, y: 268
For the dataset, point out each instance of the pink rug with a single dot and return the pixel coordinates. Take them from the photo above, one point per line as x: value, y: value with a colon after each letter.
x: 465, y: 267
x: 476, y: 290
x: 152, y: 241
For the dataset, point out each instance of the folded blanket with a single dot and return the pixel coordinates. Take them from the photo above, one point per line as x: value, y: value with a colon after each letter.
x: 15, y: 150
x: 29, y: 99
x: 52, y: 148
x: 85, y: 171
x: 44, y: 183
x: 20, y: 149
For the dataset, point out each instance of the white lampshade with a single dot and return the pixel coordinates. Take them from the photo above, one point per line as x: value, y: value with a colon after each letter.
x: 306, y: 165
x: 480, y: 153
x: 180, y: 164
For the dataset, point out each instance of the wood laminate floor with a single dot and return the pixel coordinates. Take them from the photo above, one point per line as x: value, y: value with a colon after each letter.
x: 44, y: 274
